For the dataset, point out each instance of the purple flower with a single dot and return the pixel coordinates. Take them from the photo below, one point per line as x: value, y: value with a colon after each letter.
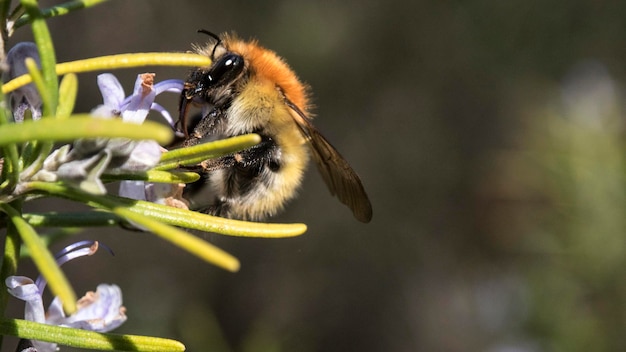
x: 134, y: 108
x: 129, y: 155
x: 169, y: 194
x: 99, y: 311
x: 88, y: 159
x: 26, y: 97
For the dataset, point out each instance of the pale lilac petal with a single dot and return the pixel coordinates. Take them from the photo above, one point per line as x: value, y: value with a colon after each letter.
x: 22, y: 287
x: 170, y: 194
x: 137, y: 110
x: 111, y: 89
x: 143, y: 157
x: 101, y: 311
x: 41, y: 346
x: 158, y: 192
x: 86, y: 173
x: 169, y: 85
x: 141, y: 101
x: 25, y: 289
x: 133, y: 190
x: 55, y: 314
x: 17, y: 55
x: 121, y: 146
x: 86, y: 147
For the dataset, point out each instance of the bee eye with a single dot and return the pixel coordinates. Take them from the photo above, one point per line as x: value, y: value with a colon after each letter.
x: 226, y: 69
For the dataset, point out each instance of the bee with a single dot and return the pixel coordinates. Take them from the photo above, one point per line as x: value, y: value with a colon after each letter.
x: 250, y: 89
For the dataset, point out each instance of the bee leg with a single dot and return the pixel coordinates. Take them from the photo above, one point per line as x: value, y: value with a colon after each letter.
x: 220, y: 207
x: 240, y: 176
x: 204, y: 126
x: 254, y: 159
x: 204, y: 169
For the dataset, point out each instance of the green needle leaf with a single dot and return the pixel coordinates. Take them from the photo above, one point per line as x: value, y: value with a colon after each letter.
x: 175, y: 216
x: 68, y: 89
x: 123, y: 208
x: 11, y: 163
x: 10, y: 258
x: 39, y: 81
x: 46, y: 55
x: 111, y: 62
x: 87, y: 339
x: 72, y: 219
x: 198, y: 153
x: 53, y: 237
x: 155, y: 176
x: 204, y: 222
x: 192, y: 244
x: 81, y: 126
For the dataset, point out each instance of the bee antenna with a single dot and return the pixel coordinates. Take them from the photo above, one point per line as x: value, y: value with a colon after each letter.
x: 214, y: 36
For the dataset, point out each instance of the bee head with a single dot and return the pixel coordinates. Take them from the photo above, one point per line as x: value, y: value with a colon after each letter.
x: 212, y: 84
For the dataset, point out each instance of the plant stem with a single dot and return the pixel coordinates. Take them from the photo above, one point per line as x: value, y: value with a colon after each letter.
x: 59, y: 10
x: 9, y: 264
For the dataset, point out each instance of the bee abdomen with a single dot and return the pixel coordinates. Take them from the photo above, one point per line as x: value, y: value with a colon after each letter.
x: 259, y: 182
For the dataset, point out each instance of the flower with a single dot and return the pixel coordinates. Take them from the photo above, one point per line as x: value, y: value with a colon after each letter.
x: 100, y: 311
x: 129, y: 155
x: 26, y: 97
x: 169, y: 194
x: 87, y: 159
x: 134, y: 109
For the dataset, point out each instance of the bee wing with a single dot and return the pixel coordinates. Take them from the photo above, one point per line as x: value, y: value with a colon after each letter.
x: 340, y: 178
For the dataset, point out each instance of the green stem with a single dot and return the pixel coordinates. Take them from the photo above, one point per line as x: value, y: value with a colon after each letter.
x: 39, y: 81
x: 42, y: 148
x: 5, y: 5
x: 175, y: 216
x: 9, y: 261
x: 46, y: 55
x: 9, y: 264
x: 59, y: 10
x: 11, y: 168
x: 72, y: 219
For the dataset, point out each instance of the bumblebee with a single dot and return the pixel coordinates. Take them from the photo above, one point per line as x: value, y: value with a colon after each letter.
x: 250, y: 89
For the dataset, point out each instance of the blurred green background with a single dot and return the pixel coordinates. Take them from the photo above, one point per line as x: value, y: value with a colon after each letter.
x: 489, y: 136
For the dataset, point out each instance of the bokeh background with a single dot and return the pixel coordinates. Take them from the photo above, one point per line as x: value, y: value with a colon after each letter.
x: 489, y: 136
